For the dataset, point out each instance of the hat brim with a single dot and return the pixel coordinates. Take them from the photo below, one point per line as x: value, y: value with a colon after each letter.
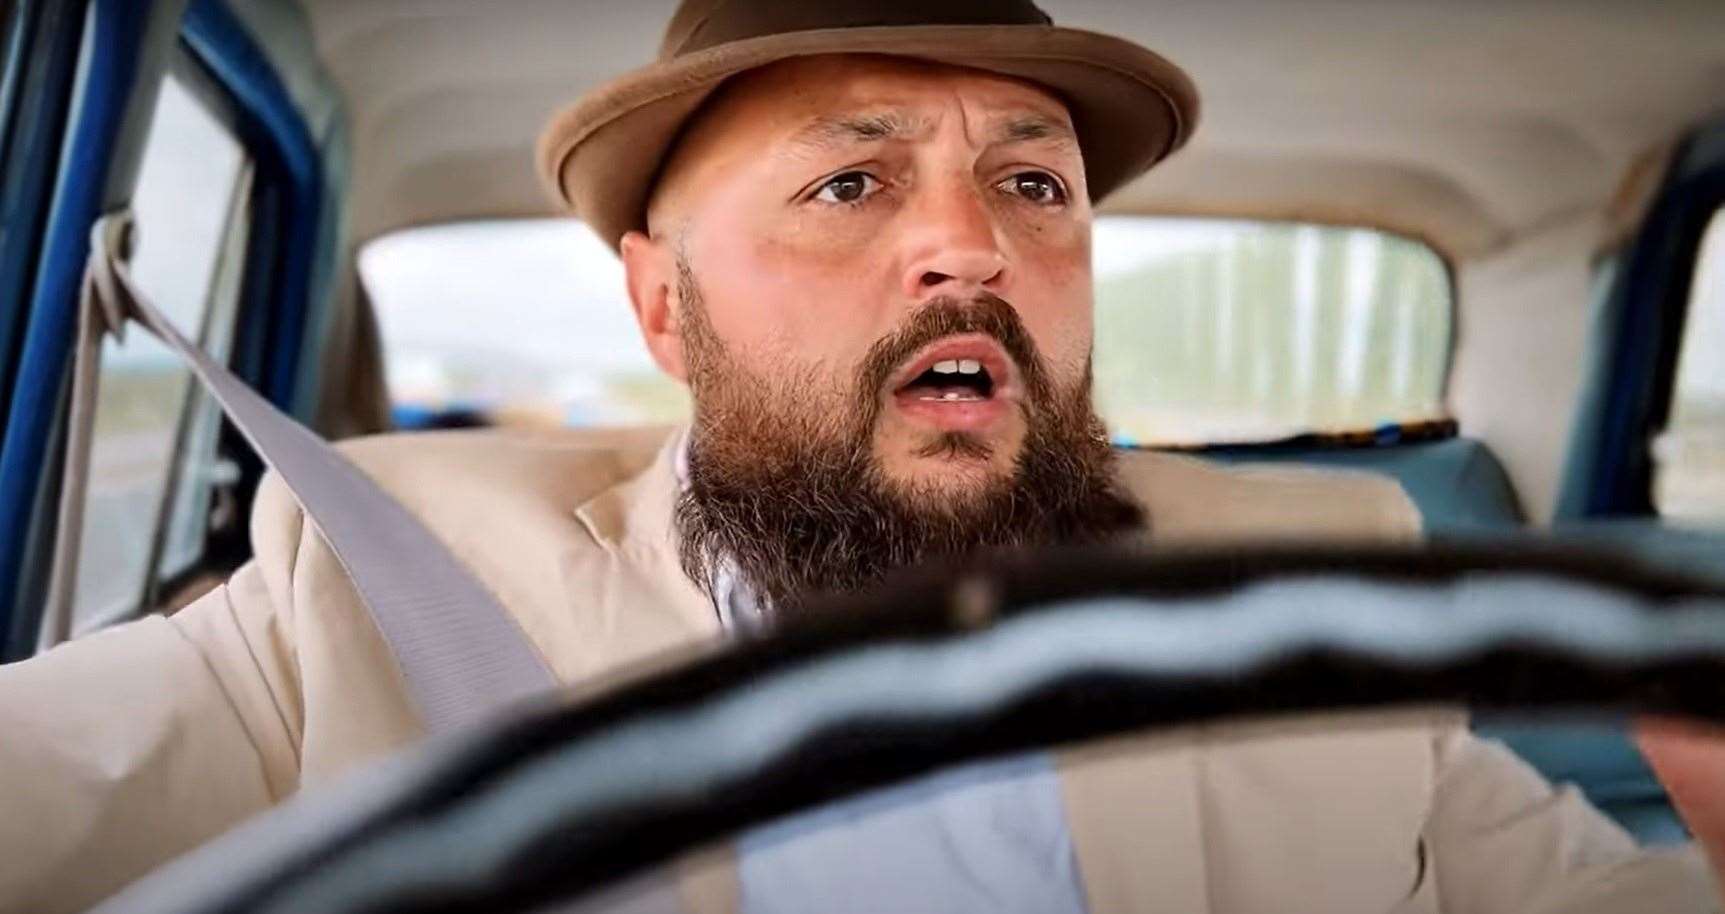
x: 1130, y: 107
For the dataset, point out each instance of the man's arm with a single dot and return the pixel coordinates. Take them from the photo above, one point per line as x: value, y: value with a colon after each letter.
x: 1501, y: 840
x: 125, y: 748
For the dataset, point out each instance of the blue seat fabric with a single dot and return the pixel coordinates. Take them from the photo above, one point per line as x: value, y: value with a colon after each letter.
x: 1460, y: 487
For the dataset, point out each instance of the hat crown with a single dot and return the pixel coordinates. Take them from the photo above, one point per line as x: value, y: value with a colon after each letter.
x: 701, y: 24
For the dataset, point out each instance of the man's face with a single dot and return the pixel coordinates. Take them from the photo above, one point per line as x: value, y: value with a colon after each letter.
x: 819, y: 204
x: 874, y: 275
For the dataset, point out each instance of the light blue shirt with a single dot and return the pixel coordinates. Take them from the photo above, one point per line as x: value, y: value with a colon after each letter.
x: 988, y: 838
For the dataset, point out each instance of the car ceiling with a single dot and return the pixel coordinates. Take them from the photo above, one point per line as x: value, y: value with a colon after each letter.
x: 1469, y: 123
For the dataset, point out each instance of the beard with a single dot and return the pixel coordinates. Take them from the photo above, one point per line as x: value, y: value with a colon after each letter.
x: 784, y: 488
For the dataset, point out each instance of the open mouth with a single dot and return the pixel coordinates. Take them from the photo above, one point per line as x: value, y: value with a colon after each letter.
x: 960, y: 383
x: 952, y: 380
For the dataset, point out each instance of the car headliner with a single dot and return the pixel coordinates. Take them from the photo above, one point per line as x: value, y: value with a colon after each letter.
x: 1467, y: 124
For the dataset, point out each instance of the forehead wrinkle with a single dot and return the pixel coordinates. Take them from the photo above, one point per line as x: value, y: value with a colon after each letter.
x: 827, y: 132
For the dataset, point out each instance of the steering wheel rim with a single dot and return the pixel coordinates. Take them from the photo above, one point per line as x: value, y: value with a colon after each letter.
x: 953, y: 665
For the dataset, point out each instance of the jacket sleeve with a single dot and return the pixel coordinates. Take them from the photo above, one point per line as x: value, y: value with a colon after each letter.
x: 127, y: 747
x: 1501, y: 840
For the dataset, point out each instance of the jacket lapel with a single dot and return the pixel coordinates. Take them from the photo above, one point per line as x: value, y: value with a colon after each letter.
x: 647, y: 607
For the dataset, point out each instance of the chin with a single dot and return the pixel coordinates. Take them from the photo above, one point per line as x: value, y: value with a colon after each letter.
x: 950, y: 464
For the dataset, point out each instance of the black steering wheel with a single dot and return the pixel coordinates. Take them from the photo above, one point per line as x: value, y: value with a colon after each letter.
x: 950, y: 665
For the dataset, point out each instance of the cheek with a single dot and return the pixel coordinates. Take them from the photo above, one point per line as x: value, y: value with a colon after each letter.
x: 783, y: 296
x: 1056, y: 297
x: 1065, y: 343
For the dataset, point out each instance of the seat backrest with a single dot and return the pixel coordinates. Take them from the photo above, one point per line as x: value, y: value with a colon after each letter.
x: 1458, y: 483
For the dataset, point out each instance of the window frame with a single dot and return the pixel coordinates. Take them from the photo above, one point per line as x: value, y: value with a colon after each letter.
x: 118, y: 50
x: 94, y: 159
x: 292, y: 236
x: 290, y: 187
x: 41, y: 60
x: 231, y: 256
x: 1643, y: 317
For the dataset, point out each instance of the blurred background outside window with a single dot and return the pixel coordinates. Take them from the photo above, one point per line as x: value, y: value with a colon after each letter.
x: 1207, y: 331
x: 1223, y: 332
x: 1689, y: 479
x: 153, y: 444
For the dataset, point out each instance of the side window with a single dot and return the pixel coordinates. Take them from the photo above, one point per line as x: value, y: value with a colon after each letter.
x: 1689, y: 458
x: 153, y: 450
x: 516, y: 322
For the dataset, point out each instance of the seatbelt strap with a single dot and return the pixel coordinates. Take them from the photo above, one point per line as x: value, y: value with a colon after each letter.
x: 461, y: 654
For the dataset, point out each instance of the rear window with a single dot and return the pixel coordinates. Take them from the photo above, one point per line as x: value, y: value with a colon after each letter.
x: 1207, y: 331
x: 520, y: 321
x: 1211, y: 332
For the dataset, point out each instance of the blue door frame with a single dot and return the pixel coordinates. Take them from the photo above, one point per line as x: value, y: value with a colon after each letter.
x: 114, y: 35
x: 1641, y: 320
x: 120, y: 46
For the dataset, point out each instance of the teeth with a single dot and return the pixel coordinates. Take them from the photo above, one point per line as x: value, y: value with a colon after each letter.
x: 950, y: 366
x: 950, y: 395
x: 969, y: 366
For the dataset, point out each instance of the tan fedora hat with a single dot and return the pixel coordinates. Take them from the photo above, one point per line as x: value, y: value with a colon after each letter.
x: 600, y: 156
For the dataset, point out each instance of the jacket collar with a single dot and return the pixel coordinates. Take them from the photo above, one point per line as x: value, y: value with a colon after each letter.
x: 634, y: 521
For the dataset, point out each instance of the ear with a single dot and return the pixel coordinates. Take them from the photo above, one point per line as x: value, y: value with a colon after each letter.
x: 650, y: 270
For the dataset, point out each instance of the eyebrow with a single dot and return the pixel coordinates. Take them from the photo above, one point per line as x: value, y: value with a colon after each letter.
x: 1035, y: 127
x: 1032, y: 127
x: 824, y: 133
x: 828, y: 132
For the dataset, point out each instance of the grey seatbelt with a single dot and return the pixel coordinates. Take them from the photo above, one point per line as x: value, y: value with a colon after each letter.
x: 461, y: 654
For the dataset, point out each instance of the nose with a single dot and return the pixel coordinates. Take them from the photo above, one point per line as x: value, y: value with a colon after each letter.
x: 952, y: 245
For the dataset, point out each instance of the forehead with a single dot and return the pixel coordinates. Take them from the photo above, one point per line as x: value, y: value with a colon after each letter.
x: 778, y: 108
x: 789, y: 95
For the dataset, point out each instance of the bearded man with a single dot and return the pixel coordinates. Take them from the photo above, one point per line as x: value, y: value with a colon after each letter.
x: 860, y: 233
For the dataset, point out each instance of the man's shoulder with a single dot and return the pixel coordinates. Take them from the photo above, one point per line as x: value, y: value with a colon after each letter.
x: 459, y: 479
x: 1195, y: 500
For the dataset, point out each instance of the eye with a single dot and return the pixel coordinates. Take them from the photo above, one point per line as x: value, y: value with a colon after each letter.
x: 849, y: 187
x: 1036, y: 186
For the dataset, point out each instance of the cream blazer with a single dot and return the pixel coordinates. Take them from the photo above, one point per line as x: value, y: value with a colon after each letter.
x: 125, y: 748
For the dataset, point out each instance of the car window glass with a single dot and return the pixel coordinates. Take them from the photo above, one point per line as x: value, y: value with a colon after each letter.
x: 191, y: 186
x: 1689, y: 479
x: 524, y: 320
x: 1206, y: 331
x: 1213, y: 331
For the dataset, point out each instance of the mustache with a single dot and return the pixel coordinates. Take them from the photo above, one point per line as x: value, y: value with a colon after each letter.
x: 948, y: 315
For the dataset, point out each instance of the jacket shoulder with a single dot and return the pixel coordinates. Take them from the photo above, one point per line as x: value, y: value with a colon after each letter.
x: 458, y: 480
x: 1197, y: 501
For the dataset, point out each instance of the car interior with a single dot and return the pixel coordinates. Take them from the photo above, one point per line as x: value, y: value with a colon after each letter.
x: 1474, y: 248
